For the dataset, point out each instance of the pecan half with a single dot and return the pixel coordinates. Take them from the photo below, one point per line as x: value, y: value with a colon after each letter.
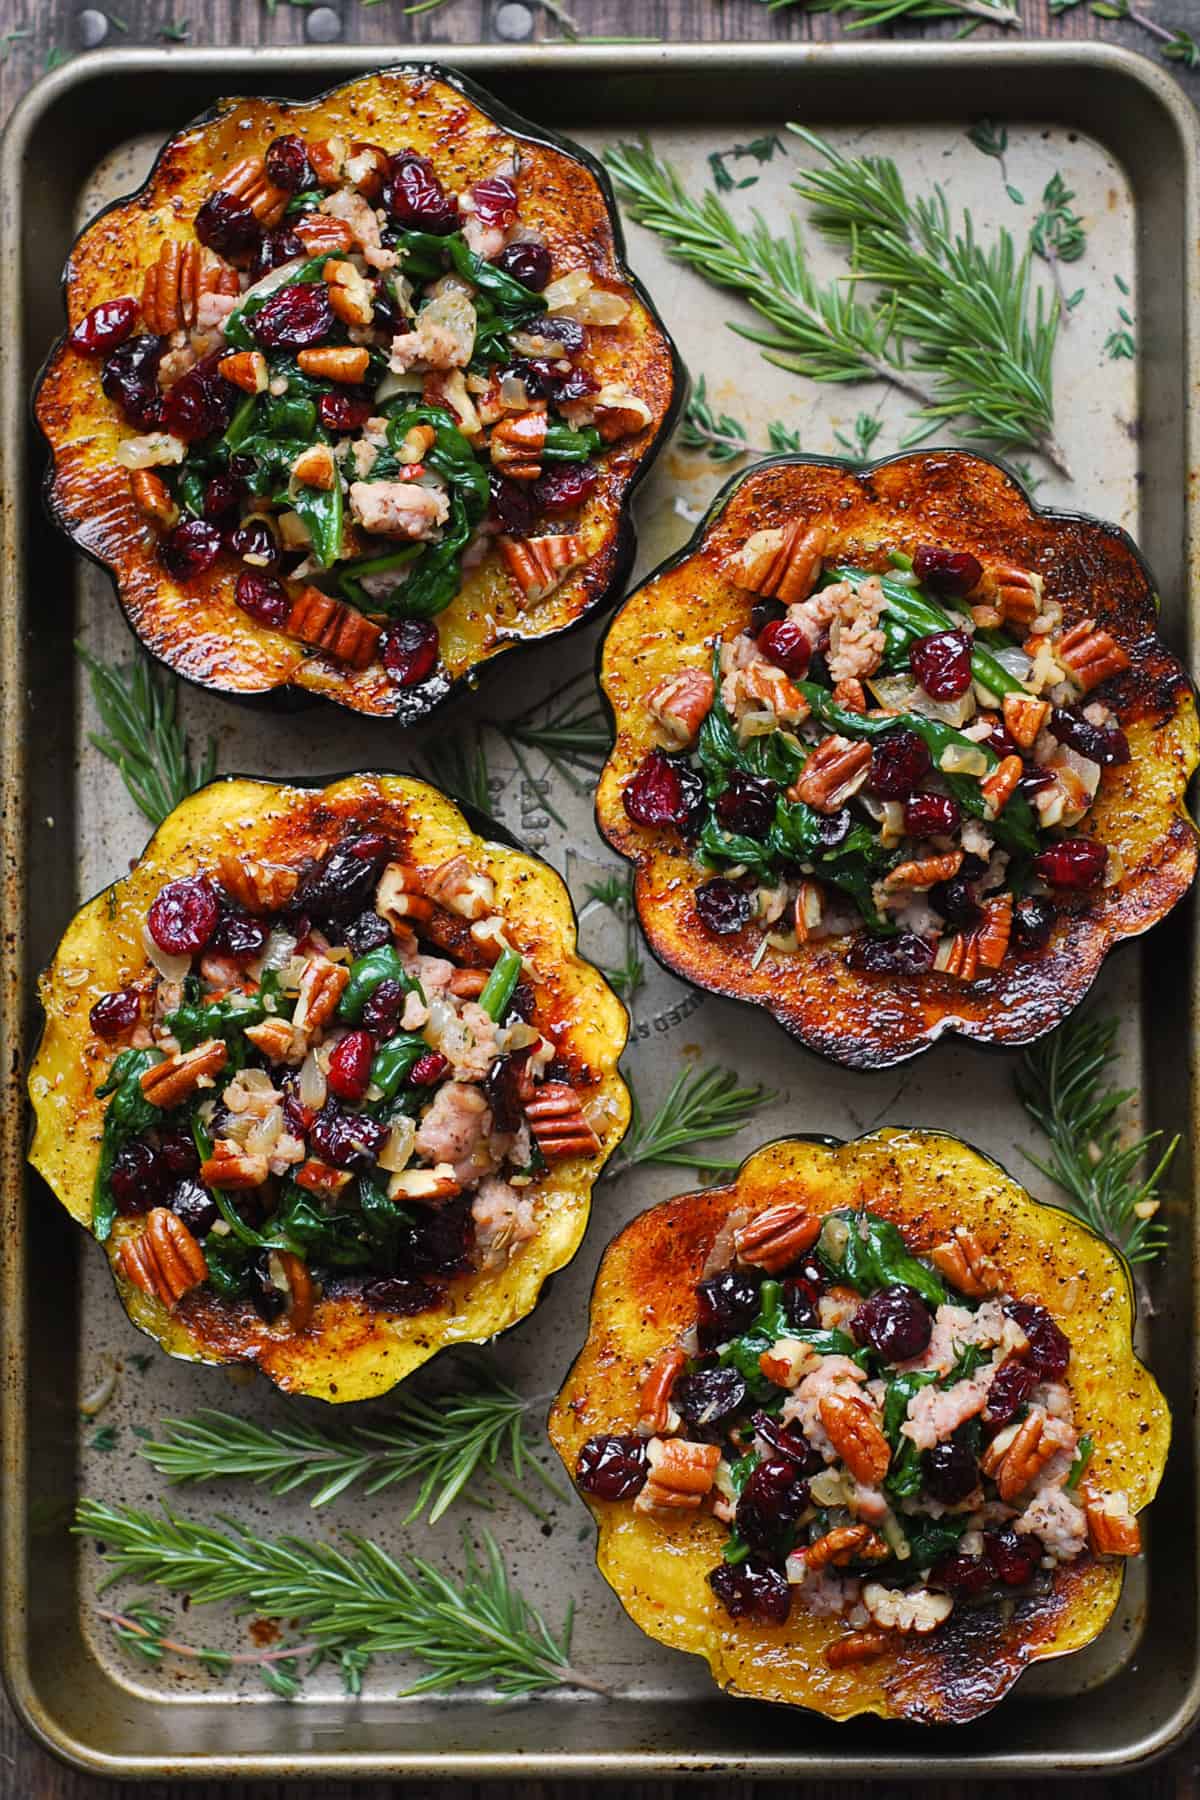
x: 336, y: 362
x: 398, y: 897
x: 1112, y: 1528
x: 962, y: 1259
x: 983, y: 947
x: 259, y: 887
x: 1013, y: 594
x: 330, y: 625
x: 367, y: 168
x: 328, y: 158
x: 846, y: 1544
x: 617, y: 412
x: 808, y: 911
x: 323, y: 235
x: 656, y: 1412
x: 539, y: 565
x: 1015, y: 1463
x: 248, y: 182
x: 429, y: 1186
x: 279, y: 1041
x: 850, y: 695
x: 321, y: 987
x: 176, y: 281
x: 762, y: 683
x: 782, y: 562
x: 418, y: 439
x: 230, y: 1166
x: 557, y: 1123
x: 835, y: 770
x: 856, y: 1437
x: 301, y: 1294
x: 999, y: 787
x: 1090, y: 654
x: 681, y: 1473
x: 319, y: 1178
x: 924, y: 871
x: 163, y: 1260
x: 152, y: 497
x: 462, y: 888
x: 247, y: 369
x: 468, y: 984
x: 911, y: 1609
x: 516, y: 443
x: 172, y: 1080
x: 350, y: 295
x: 776, y: 1237
x: 857, y: 1647
x: 315, y: 467
x: 681, y: 703
x: 1024, y: 717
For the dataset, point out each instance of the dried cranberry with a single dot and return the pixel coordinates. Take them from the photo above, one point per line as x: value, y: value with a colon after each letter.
x: 564, y: 489
x: 1072, y: 863
x: 832, y: 829
x: 747, y: 805
x: 183, y: 916
x: 138, y: 1177
x: 765, y: 611
x: 130, y: 377
x: 288, y: 165
x: 931, y: 815
x: 349, y: 1073
x: 800, y: 1303
x: 382, y: 1010
x: 612, y: 1466
x: 178, y: 1151
x: 239, y: 935
x: 513, y: 505
x: 369, y: 932
x: 226, y: 225
x: 502, y: 1087
x: 899, y: 760
x: 1049, y: 1347
x: 905, y: 954
x: 1011, y: 1387
x: 415, y: 197
x: 114, y: 1013
x: 895, y: 1322
x: 663, y: 791
x: 523, y: 1002
x: 254, y: 541
x: 201, y: 402
x: 403, y: 1297
x: 293, y: 317
x: 723, y: 906
x: 790, y: 1443
x: 527, y: 262
x: 1032, y: 923
x: 495, y: 200
x: 950, y: 573
x: 346, y: 1140
x: 106, y: 326
x: 949, y: 1472
x: 1014, y: 1557
x: 337, y: 887
x: 274, y: 249
x: 726, y: 1305
x: 1103, y: 744
x: 442, y: 1237
x: 752, y: 1590
x: 575, y: 386
x: 263, y: 598
x: 955, y: 901
x: 774, y: 1496
x: 785, y: 645
x: 998, y: 738
x: 347, y: 410
x: 942, y: 664
x: 536, y: 372
x: 410, y: 651
x: 963, y: 1574
x: 222, y: 494
x: 569, y: 334
x: 192, y: 1203
x: 429, y: 1069
x: 190, y: 550
x: 710, y: 1396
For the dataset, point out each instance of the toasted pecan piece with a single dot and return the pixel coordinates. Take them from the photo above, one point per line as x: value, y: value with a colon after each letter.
x: 1090, y: 654
x: 152, y: 497
x: 279, y: 1041
x: 322, y: 234
x: 516, y: 444
x: 321, y: 987
x: 1024, y: 717
x: 462, y: 888
x: 835, y: 770
x: 681, y: 1473
x: 924, y: 871
x: 163, y: 1259
x: 320, y: 1178
x: 316, y: 467
x: 557, y: 1122
x: 399, y: 897
x: 964, y: 1262
x: 999, y: 787
x: 857, y: 1438
x: 175, y: 281
x: 850, y: 694
x: 776, y: 1237
x: 347, y: 363
x: 906, y: 1609
x: 248, y: 182
x: 981, y: 949
x: 468, y: 984
x: 428, y: 1186
x: 539, y: 565
x: 857, y: 1647
x: 782, y: 562
x: 1014, y: 1464
x: 656, y: 1390
x: 808, y: 911
x: 300, y: 1289
x: 230, y: 1166
x: 846, y: 1544
x: 350, y: 295
x: 330, y: 625
x: 1113, y: 1529
x: 169, y: 1082
x: 247, y: 369
x: 259, y: 887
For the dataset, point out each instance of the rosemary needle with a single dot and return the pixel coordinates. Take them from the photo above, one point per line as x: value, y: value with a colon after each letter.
x: 145, y: 738
x: 449, y: 1443
x: 708, y: 1104
x: 353, y: 1603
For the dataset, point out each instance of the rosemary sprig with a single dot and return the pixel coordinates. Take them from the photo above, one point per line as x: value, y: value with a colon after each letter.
x: 872, y: 13
x: 1061, y: 1083
x: 574, y: 737
x: 458, y: 764
x: 353, y: 1603
x: 700, y: 1107
x: 973, y: 316
x: 145, y: 737
x: 145, y: 1633
x: 449, y: 1444
x: 615, y: 893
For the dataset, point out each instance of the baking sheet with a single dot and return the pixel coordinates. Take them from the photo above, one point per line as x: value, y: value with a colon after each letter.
x: 667, y: 1712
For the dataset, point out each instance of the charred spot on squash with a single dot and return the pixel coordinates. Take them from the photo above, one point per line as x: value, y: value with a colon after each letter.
x: 926, y: 1183
x: 964, y: 502
x: 347, y: 1352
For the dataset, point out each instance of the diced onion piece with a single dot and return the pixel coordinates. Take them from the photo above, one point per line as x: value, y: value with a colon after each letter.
x: 311, y: 1089
x: 153, y: 451
x: 963, y: 759
x: 397, y: 1150
x: 265, y: 1134
x: 514, y: 396
x: 171, y: 968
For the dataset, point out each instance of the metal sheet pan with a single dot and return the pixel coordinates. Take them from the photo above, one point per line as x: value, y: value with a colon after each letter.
x: 1127, y: 141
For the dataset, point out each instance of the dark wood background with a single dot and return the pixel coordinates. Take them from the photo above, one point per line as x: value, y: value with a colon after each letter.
x: 48, y: 31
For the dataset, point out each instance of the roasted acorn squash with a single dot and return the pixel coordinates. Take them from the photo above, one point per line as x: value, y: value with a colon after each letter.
x: 191, y: 622
x: 927, y: 1184
x: 961, y: 503
x: 346, y: 1351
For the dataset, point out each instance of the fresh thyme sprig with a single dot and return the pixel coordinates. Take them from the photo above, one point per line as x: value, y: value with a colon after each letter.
x: 1061, y: 1083
x: 709, y: 1104
x: 1176, y: 46
x: 145, y: 738
x: 762, y: 149
x: 1120, y: 344
x: 872, y: 13
x: 1058, y: 237
x: 616, y: 893
x: 720, y: 436
x: 972, y: 316
x: 992, y: 140
x: 867, y: 427
x: 145, y: 1633
x: 450, y: 1444
x: 354, y: 1603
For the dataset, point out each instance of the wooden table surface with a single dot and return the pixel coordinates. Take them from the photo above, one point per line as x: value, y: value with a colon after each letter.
x: 38, y: 34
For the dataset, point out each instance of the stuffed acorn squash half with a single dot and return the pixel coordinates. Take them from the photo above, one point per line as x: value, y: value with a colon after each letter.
x: 327, y: 1078
x: 896, y: 753
x: 865, y: 1428
x: 355, y: 393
